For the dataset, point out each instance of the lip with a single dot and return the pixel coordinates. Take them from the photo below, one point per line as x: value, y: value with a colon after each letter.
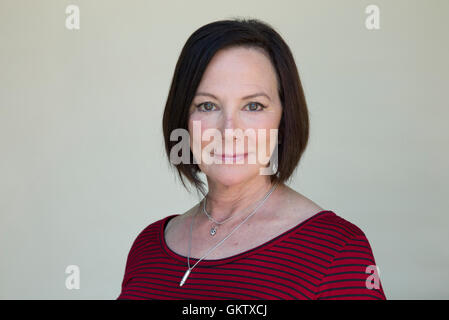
x: 231, y: 157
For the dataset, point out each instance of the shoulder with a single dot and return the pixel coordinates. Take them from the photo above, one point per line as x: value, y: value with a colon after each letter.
x: 147, y: 240
x: 155, y: 227
x: 155, y: 230
x: 350, y: 271
x: 149, y: 235
x: 341, y: 240
x: 335, y: 231
x: 326, y: 234
x: 335, y: 222
x: 178, y: 220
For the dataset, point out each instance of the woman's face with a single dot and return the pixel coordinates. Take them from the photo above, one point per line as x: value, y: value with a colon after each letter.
x: 221, y: 103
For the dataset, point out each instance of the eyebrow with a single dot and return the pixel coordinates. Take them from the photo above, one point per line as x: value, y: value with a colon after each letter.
x: 247, y: 97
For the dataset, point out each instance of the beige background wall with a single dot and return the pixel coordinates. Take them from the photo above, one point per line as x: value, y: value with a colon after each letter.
x: 82, y: 169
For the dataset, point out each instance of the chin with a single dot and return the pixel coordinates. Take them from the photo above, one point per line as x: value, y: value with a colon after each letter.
x: 231, y: 174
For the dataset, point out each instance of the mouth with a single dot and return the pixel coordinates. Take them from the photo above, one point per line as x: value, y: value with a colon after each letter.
x: 232, y: 157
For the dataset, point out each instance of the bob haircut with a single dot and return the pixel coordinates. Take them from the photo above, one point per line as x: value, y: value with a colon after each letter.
x: 197, y: 52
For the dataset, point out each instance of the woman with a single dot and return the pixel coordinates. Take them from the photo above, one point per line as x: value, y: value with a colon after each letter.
x: 251, y: 236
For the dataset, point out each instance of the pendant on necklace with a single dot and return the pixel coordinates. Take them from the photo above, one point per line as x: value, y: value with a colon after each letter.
x: 213, y: 231
x: 184, y: 278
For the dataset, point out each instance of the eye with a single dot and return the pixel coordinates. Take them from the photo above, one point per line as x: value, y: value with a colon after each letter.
x: 253, y: 106
x: 207, y: 106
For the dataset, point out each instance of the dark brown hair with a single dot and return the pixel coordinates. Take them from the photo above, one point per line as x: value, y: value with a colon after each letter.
x: 197, y: 52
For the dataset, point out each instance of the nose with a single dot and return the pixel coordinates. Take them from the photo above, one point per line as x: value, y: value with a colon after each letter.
x: 229, y: 123
x: 229, y: 127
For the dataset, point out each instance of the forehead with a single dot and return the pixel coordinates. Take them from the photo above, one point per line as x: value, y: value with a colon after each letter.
x: 239, y: 70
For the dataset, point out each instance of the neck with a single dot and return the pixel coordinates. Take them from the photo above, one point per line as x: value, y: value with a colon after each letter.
x: 224, y: 201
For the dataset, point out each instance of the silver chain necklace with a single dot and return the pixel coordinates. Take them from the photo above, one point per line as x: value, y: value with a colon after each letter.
x: 213, y: 230
x: 187, y: 273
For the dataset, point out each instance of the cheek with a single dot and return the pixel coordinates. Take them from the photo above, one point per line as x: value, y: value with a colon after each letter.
x: 263, y: 140
x: 197, y: 132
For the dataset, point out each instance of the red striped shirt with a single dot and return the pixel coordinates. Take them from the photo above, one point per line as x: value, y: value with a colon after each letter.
x: 323, y: 257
